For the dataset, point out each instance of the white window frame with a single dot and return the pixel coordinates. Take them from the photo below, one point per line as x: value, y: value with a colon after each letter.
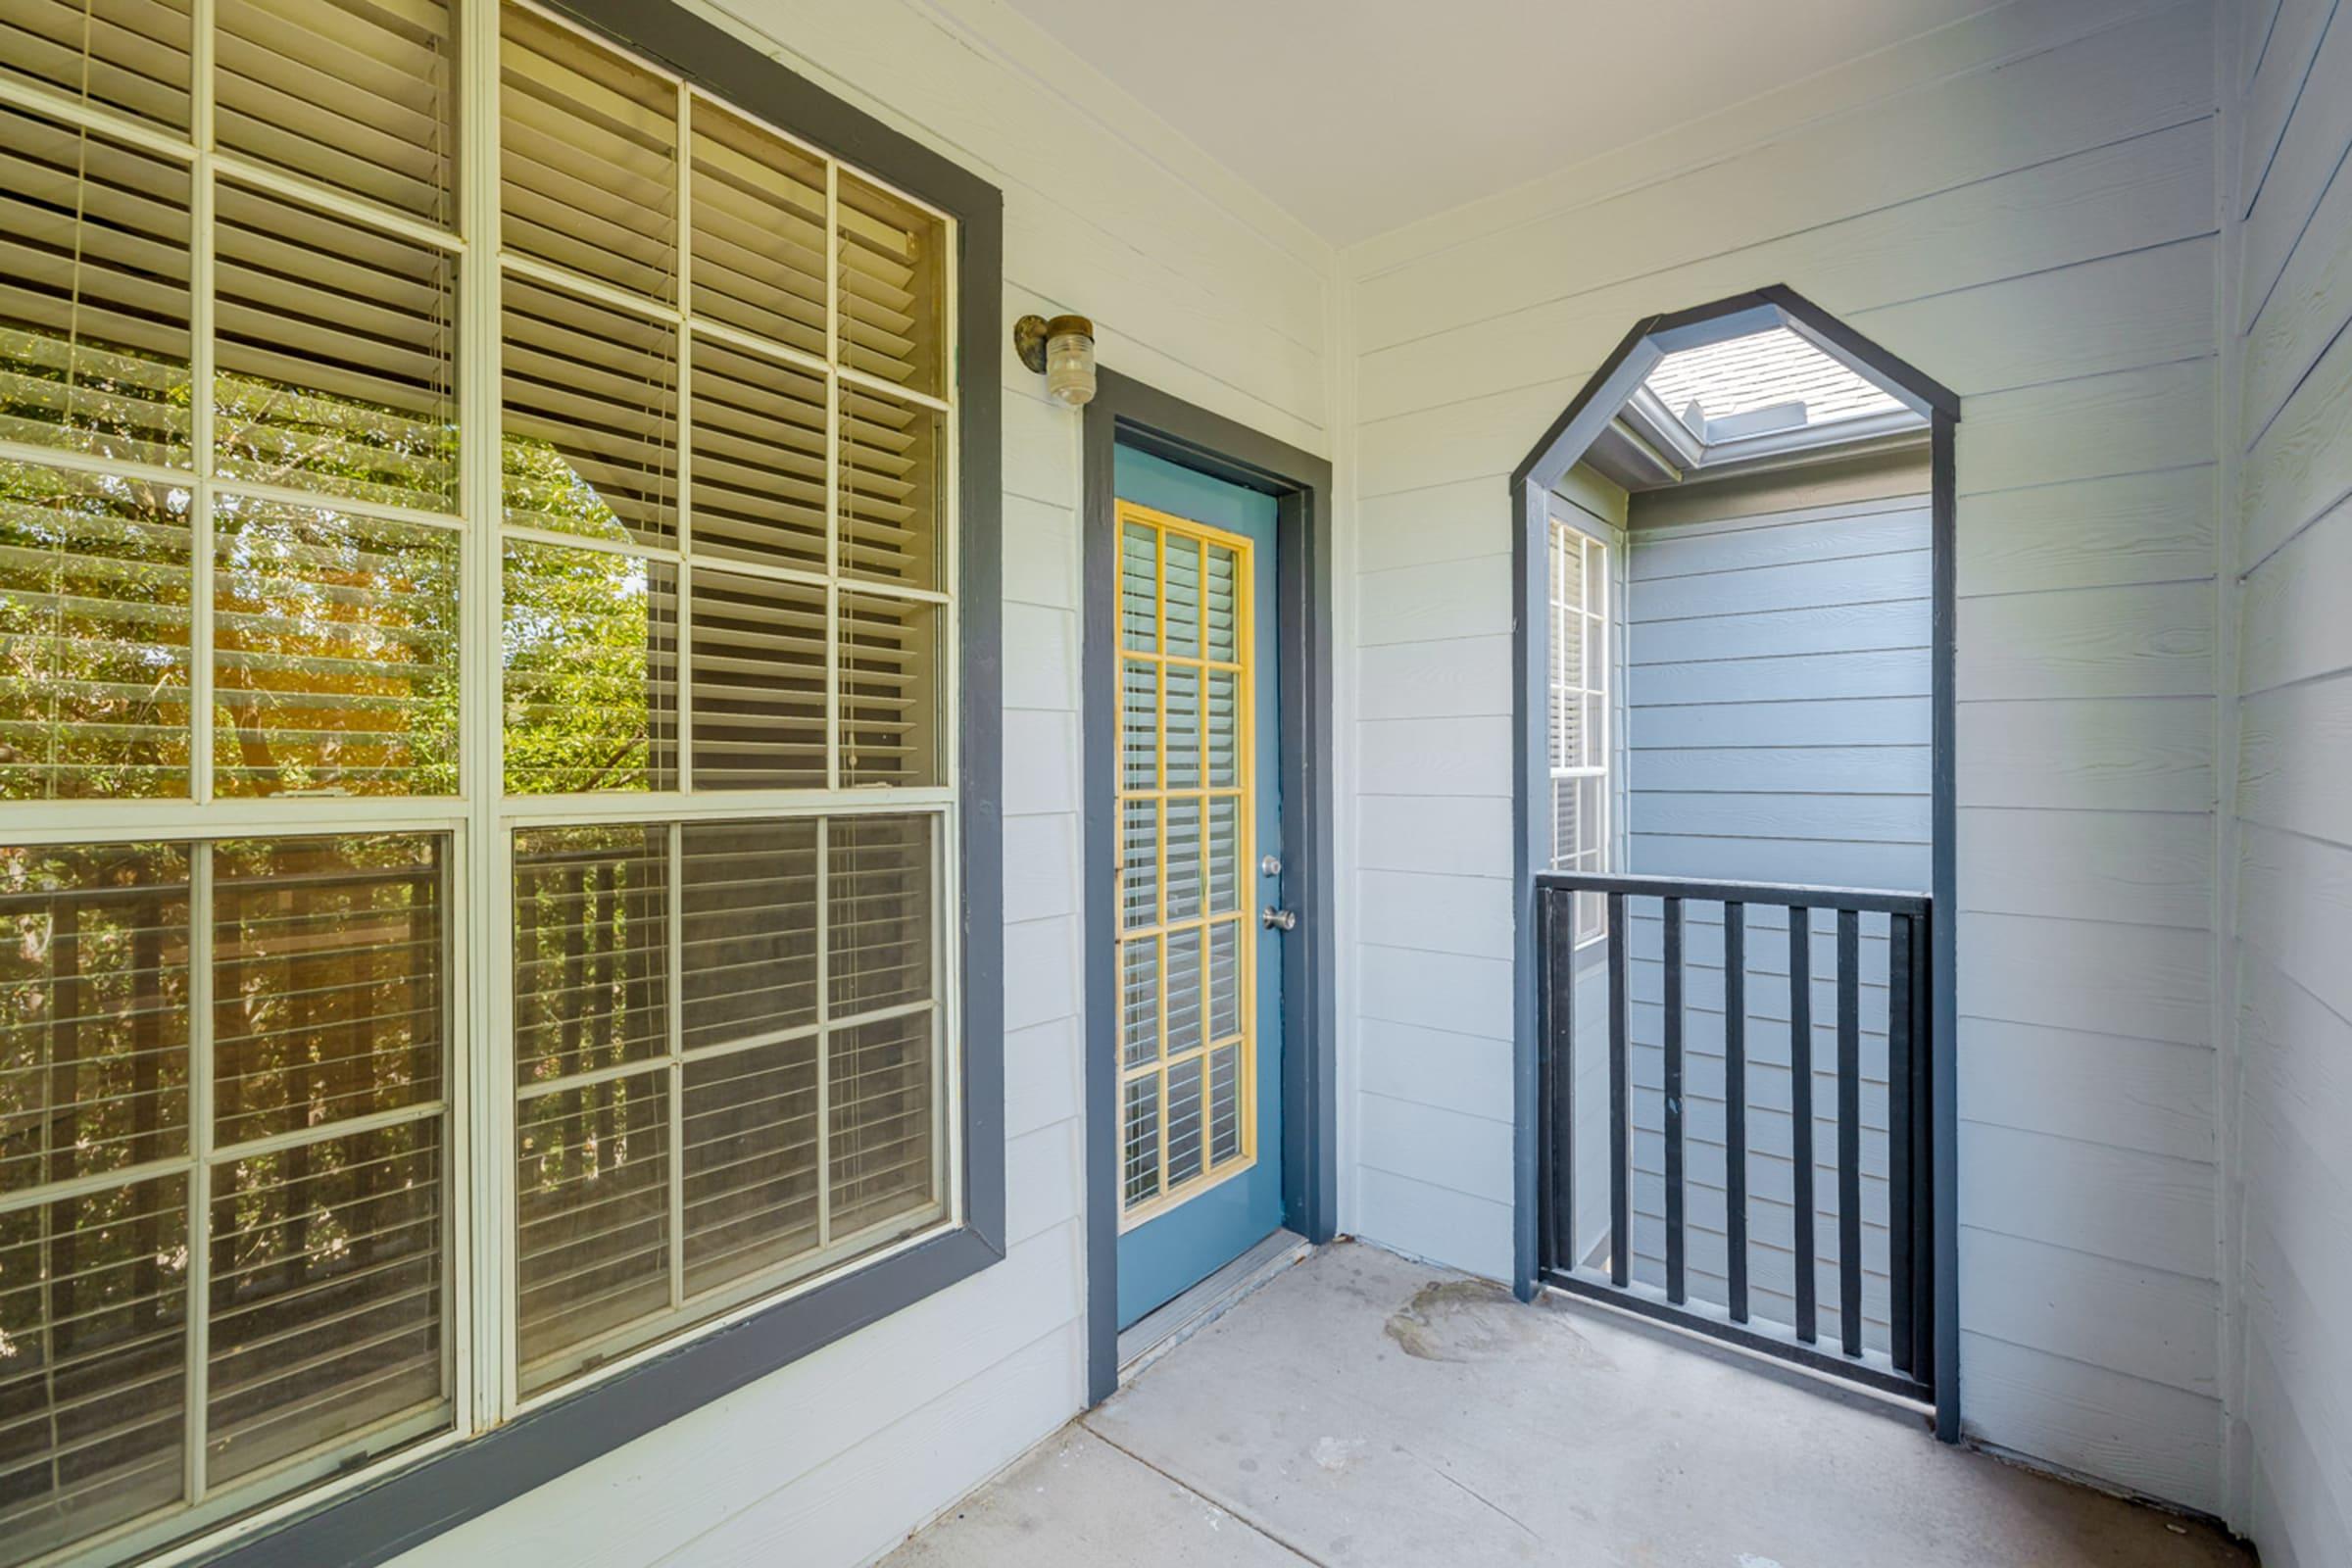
x: 1591, y: 688
x: 477, y: 825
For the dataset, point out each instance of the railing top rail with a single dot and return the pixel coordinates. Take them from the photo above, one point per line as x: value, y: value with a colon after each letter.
x: 1786, y: 895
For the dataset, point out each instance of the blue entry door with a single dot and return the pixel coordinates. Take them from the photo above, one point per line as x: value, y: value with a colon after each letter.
x: 1200, y: 1035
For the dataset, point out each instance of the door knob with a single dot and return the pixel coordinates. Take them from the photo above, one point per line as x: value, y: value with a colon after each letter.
x: 1274, y: 919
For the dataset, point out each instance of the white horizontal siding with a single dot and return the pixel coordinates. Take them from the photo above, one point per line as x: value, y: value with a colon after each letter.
x: 2024, y: 206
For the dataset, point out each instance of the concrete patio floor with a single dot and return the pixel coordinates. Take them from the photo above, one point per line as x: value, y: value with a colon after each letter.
x: 1368, y: 1411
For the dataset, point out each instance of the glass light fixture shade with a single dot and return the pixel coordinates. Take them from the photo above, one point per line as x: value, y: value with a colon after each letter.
x: 1070, y: 360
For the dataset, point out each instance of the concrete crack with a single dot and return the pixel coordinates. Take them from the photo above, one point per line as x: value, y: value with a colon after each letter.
x: 1227, y: 1509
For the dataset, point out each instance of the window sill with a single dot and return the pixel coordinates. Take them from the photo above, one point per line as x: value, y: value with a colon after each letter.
x: 446, y: 1487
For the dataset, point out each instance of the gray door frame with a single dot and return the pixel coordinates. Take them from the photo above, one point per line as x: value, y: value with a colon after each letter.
x: 1127, y: 413
x: 1551, y: 456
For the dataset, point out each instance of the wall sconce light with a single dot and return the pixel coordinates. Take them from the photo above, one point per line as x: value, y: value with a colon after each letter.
x: 1062, y: 351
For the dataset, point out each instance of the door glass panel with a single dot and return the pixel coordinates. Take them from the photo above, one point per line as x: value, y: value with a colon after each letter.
x: 1138, y: 864
x: 1139, y: 588
x: 1224, y: 604
x: 1184, y: 857
x: 1186, y: 697
x: 1182, y: 718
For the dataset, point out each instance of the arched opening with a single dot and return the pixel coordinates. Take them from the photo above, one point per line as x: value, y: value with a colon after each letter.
x: 1733, y: 819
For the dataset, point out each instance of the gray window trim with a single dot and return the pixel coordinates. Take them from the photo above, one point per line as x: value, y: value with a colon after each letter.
x: 1127, y: 413
x: 437, y: 1494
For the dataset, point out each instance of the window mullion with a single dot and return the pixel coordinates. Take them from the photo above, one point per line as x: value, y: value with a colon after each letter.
x: 832, y: 475
x: 201, y: 248
x: 200, y: 1171
x: 482, y: 1164
x: 683, y: 715
x: 824, y: 1033
x: 676, y: 1069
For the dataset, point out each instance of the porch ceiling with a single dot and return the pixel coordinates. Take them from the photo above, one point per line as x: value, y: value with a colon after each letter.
x: 1359, y: 115
x: 1369, y: 1411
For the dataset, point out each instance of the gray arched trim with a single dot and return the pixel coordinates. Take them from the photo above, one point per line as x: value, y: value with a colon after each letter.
x: 1554, y: 453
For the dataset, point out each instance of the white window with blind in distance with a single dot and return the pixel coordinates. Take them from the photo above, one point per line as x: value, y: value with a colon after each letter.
x: 478, y: 699
x: 1579, y: 712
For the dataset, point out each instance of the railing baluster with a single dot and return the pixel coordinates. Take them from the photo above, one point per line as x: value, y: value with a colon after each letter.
x: 1559, y: 1065
x: 1674, y: 1100
x: 1899, y: 1140
x: 1734, y: 1103
x: 1849, y: 1130
x: 1921, y: 1215
x: 1800, y: 1108
x: 1621, y: 1234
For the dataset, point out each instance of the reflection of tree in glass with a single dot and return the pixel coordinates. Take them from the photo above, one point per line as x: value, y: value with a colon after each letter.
x: 335, y: 636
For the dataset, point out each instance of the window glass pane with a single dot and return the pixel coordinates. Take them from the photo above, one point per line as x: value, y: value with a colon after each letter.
x: 337, y: 355
x: 758, y: 688
x: 759, y: 459
x: 328, y: 958
x: 130, y: 56
x: 893, y: 481
x: 327, y: 1295
x: 590, y: 668
x: 878, y: 912
x: 883, y: 1123
x: 360, y: 96
x: 94, y: 633
x: 589, y: 423
x: 891, y: 280
x: 591, y: 949
x: 93, y: 1302
x: 890, y: 682
x: 592, y: 1197
x: 759, y: 231
x: 93, y: 1010
x: 748, y: 929
x: 588, y: 158
x: 334, y: 653
x: 94, y: 304
x: 750, y: 1159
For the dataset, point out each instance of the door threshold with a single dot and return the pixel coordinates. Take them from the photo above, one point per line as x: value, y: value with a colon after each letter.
x: 1163, y: 1328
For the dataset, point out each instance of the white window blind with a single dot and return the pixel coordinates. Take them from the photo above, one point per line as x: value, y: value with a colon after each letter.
x: 475, y: 621
x: 1578, y: 703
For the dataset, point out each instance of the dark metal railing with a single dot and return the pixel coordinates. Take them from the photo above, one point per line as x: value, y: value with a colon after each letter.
x: 1905, y: 1364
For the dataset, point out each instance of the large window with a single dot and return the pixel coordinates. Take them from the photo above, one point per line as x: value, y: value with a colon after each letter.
x: 477, y: 714
x: 1579, y: 712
